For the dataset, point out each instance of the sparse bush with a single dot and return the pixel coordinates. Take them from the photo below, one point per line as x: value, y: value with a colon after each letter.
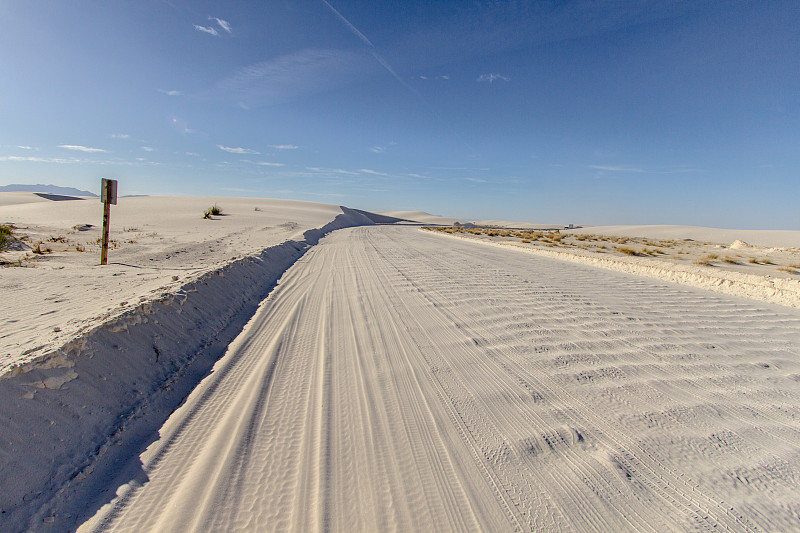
x: 627, y: 251
x: 41, y: 251
x: 80, y: 248
x: 213, y: 210
x: 789, y: 269
x: 703, y: 261
x: 60, y: 238
x: 6, y: 235
x: 730, y: 260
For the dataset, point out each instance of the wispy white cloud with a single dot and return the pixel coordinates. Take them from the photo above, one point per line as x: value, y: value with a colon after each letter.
x: 373, y: 172
x: 419, y: 176
x: 293, y: 76
x: 284, y: 146
x: 332, y: 170
x: 38, y: 159
x: 378, y: 149
x: 224, y: 24
x: 458, y: 168
x: 80, y: 148
x: 171, y: 93
x: 237, y: 150
x: 374, y: 51
x: 25, y: 147
x: 193, y: 154
x: 120, y: 136
x: 75, y: 160
x: 491, y: 78
x: 617, y: 168
x: 476, y: 180
x: 148, y: 149
x: 206, y: 29
x: 267, y: 164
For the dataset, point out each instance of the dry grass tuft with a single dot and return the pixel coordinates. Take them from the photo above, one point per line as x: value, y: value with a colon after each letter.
x: 213, y: 210
x: 6, y: 235
x: 625, y: 250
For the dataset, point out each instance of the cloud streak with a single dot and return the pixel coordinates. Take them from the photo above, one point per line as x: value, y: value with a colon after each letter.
x: 284, y: 146
x: 171, y: 93
x: 491, y: 78
x: 374, y: 51
x: 207, y: 29
x: 292, y: 76
x: 224, y: 24
x: 617, y: 168
x: 80, y: 148
x: 237, y: 150
x: 373, y: 172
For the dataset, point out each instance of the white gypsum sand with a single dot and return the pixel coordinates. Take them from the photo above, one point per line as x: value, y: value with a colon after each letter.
x: 397, y: 381
x: 114, y: 349
x: 158, y: 245
x: 768, y: 274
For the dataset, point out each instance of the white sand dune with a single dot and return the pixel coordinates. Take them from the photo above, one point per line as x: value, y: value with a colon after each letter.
x: 16, y: 198
x: 519, y: 225
x: 775, y: 238
x: 422, y: 217
x: 159, y: 244
x: 393, y: 383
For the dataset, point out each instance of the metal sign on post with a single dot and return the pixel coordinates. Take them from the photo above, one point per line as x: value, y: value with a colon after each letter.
x: 108, y: 195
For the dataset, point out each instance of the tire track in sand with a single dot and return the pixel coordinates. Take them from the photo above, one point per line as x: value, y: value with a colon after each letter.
x: 393, y: 381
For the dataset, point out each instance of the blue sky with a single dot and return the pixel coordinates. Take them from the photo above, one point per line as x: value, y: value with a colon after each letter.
x: 623, y: 112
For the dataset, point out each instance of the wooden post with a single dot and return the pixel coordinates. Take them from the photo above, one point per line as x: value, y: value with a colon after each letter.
x: 108, y: 195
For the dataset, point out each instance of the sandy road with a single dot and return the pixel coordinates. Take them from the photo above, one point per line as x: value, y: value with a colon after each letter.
x: 398, y: 380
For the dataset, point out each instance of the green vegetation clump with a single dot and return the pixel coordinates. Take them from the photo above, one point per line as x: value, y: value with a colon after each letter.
x: 6, y: 235
x: 213, y: 210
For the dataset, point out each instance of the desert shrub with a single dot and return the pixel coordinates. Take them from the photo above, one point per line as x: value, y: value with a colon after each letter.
x: 213, y: 210
x: 627, y: 251
x: 6, y: 235
x: 703, y: 261
x: 730, y: 260
x: 789, y: 269
x: 41, y: 251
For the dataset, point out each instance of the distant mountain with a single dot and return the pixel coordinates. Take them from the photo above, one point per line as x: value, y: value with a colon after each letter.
x: 50, y: 189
